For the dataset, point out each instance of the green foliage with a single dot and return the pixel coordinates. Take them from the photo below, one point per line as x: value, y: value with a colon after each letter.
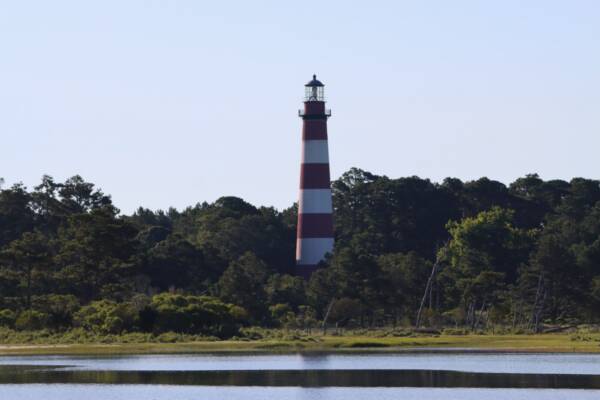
x: 471, y: 255
x: 305, y: 318
x: 243, y: 283
x: 286, y: 289
x: 31, y: 320
x: 281, y: 313
x: 196, y: 314
x: 489, y: 241
x: 404, y: 276
x: 345, y: 309
x: 7, y: 317
x: 59, y: 308
x: 96, y: 256
x: 105, y: 316
x: 25, y: 266
x: 484, y: 255
x: 175, y: 262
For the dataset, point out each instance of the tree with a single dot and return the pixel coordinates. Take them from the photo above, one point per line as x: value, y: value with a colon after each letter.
x: 177, y: 263
x: 79, y: 196
x: 96, y: 256
x: 391, y: 215
x: 16, y: 213
x: 485, y: 253
x: 26, y: 264
x: 404, y: 276
x: 525, y: 255
x: 243, y: 284
x: 286, y: 289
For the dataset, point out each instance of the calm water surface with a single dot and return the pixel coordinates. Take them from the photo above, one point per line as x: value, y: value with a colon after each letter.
x: 148, y: 392
x: 418, y: 375
x: 466, y: 361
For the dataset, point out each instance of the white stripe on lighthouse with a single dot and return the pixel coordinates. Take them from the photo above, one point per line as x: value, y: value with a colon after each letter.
x: 315, y: 201
x: 315, y: 152
x: 310, y: 251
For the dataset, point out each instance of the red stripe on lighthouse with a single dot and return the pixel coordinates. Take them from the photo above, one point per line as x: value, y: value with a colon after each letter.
x: 314, y: 108
x: 314, y: 129
x: 315, y: 225
x: 314, y: 176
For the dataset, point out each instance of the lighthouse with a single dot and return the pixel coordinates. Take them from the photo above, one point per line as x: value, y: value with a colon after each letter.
x: 314, y: 237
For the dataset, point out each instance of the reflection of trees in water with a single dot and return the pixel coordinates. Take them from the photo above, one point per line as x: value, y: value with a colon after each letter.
x: 305, y: 378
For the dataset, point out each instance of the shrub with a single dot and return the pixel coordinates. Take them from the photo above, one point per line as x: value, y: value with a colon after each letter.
x: 168, y: 337
x: 106, y: 316
x: 196, y: 314
x: 344, y: 309
x: 457, y: 316
x: 281, y: 313
x: 59, y: 308
x: 7, y: 317
x: 31, y: 320
x: 253, y: 333
x: 456, y: 331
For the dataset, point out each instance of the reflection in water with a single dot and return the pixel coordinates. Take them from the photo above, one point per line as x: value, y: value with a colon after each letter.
x: 585, y: 364
x: 407, y: 376
x: 303, y: 378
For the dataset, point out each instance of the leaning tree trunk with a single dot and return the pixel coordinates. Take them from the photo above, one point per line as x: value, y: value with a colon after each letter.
x: 324, y: 324
x: 471, y: 315
x: 538, y: 305
x: 478, y: 318
x: 426, y: 294
x: 429, y: 286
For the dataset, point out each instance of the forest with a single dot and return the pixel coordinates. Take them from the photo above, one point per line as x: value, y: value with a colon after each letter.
x: 409, y: 252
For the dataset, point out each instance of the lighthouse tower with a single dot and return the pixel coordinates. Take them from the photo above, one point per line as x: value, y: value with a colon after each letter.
x: 315, y: 223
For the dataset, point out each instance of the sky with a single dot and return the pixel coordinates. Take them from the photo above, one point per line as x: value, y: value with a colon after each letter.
x: 171, y: 103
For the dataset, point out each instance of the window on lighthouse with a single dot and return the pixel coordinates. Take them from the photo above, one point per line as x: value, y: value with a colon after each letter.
x: 315, y: 93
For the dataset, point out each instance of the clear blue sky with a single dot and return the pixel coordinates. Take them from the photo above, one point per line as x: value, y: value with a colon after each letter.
x: 168, y: 103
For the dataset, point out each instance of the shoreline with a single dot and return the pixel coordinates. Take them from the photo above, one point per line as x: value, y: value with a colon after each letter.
x: 542, y: 343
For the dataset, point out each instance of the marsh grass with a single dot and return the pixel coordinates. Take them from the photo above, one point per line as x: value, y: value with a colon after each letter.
x: 77, y: 341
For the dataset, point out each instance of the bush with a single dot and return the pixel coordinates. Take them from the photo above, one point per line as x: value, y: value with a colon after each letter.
x: 60, y: 308
x: 345, y: 309
x: 281, y: 313
x: 196, y: 314
x: 31, y: 320
x: 169, y: 337
x: 7, y: 317
x: 254, y: 333
x: 106, y: 316
x: 457, y: 316
x: 456, y: 331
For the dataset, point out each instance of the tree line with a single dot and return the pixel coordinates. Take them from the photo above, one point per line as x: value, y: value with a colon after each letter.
x: 408, y: 251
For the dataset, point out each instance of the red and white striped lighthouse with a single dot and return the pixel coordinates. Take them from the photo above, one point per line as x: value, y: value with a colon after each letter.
x: 315, y: 212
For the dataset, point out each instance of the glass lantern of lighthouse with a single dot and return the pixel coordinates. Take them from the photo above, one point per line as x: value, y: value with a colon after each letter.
x: 314, y: 90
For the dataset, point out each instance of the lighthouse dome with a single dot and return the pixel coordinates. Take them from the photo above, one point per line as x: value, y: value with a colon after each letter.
x: 315, y: 82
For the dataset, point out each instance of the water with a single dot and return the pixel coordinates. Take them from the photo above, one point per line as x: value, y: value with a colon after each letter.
x: 588, y: 364
x: 148, y: 392
x: 407, y: 375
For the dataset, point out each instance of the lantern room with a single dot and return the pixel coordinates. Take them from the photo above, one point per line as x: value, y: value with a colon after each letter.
x: 314, y: 90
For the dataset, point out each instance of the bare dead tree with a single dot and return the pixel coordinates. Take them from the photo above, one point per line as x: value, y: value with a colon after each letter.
x: 471, y: 315
x: 426, y: 294
x: 326, y: 317
x: 538, y: 304
x: 479, y: 315
x: 429, y: 286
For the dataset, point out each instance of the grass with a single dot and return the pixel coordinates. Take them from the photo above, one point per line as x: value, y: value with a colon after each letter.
x: 588, y: 343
